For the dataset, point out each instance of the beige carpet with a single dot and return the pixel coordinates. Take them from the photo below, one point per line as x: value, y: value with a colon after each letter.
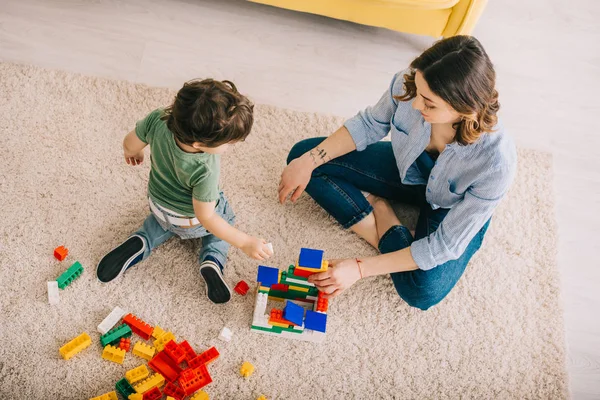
x: 499, y: 334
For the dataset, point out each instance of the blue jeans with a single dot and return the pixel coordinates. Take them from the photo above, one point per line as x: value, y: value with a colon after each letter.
x: 155, y: 232
x: 337, y: 185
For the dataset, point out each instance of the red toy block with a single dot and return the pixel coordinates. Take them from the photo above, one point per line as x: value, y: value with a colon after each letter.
x: 174, y: 391
x: 190, y: 354
x: 152, y: 394
x: 174, y: 351
x: 125, y: 344
x: 163, y: 364
x: 277, y: 316
x: 241, y: 288
x: 61, y: 253
x: 138, y: 326
x: 302, y: 273
x: 196, y: 379
x: 282, y: 287
x: 322, y: 302
x: 208, y: 356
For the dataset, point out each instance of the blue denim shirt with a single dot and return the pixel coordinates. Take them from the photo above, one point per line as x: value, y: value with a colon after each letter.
x: 469, y: 180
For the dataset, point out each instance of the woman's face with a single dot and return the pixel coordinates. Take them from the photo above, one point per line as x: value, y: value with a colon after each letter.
x: 432, y: 107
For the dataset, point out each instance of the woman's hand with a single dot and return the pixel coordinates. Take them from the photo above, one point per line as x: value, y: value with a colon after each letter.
x: 295, y: 178
x: 340, y: 276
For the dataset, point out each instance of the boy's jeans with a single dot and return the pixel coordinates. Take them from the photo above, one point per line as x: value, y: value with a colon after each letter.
x: 336, y: 186
x: 155, y: 232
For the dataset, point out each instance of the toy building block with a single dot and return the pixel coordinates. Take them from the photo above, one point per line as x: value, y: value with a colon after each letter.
x: 277, y: 319
x: 124, y: 388
x: 163, y: 339
x: 125, y: 344
x: 75, y: 346
x: 137, y: 374
x: 267, y: 276
x: 153, y: 394
x: 114, y: 335
x: 174, y: 351
x: 53, y: 297
x: 194, y: 379
x: 270, y: 247
x: 136, y: 396
x: 190, y: 354
x: 246, y: 369
x: 156, y: 380
x: 310, y: 258
x: 241, y: 288
x: 315, y: 320
x: 262, y: 398
x: 225, y: 334
x: 157, y: 332
x: 164, y: 365
x: 302, y: 273
x: 72, y: 273
x: 175, y: 391
x: 143, y: 350
x: 171, y: 398
x: 111, y: 320
x: 200, y: 395
x: 114, y: 354
x: 107, y: 396
x: 60, y: 253
x: 207, y: 357
x: 138, y: 326
x: 280, y: 286
x: 293, y: 313
x: 322, y: 303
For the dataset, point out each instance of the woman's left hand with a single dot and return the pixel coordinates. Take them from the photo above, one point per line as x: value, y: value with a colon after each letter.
x: 340, y: 275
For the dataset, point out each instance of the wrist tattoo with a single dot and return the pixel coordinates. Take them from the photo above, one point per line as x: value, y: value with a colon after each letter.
x: 319, y: 156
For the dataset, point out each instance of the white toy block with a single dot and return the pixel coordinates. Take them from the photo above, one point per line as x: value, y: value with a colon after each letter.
x: 111, y: 320
x: 225, y: 334
x: 299, y: 282
x: 53, y: 297
x: 270, y: 246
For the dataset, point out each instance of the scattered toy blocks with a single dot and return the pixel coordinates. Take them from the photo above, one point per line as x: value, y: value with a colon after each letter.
x: 114, y: 354
x: 293, y: 313
x: 137, y: 374
x: 72, y: 273
x: 316, y: 321
x: 190, y: 354
x: 194, y: 379
x: 124, y: 388
x: 246, y: 369
x: 53, y: 297
x: 61, y: 252
x: 111, y: 320
x: 153, y: 394
x: 143, y: 350
x: 207, y: 357
x: 157, y: 332
x: 241, y: 288
x: 200, y: 395
x: 173, y: 390
x: 225, y: 334
x: 138, y: 326
x: 114, y: 335
x: 75, y: 346
x: 176, y: 352
x: 163, y: 339
x: 310, y: 258
x: 107, y: 396
x: 156, y: 380
x: 164, y: 365
x: 267, y: 276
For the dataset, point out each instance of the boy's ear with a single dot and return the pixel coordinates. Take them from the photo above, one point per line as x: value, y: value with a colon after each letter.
x: 198, y: 145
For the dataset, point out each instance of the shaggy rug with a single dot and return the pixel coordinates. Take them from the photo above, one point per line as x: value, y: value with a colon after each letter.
x: 63, y: 181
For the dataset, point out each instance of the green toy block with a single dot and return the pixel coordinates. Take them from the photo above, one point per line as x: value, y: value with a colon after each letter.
x: 70, y: 275
x: 115, y: 334
x: 124, y: 388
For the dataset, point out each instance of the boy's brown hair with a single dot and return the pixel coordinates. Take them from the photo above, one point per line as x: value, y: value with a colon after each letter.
x: 209, y: 112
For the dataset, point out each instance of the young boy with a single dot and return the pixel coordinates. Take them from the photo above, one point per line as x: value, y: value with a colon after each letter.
x: 186, y: 140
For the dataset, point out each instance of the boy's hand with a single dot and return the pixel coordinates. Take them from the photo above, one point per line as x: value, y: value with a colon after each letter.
x: 134, y: 159
x: 256, y: 248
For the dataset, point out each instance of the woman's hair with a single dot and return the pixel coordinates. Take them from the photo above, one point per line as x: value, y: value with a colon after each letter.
x: 210, y: 112
x: 458, y: 70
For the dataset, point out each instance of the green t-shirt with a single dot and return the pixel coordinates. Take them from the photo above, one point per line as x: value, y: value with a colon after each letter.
x: 176, y: 176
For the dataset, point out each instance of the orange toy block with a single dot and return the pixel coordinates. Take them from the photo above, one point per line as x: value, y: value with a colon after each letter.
x: 61, y: 253
x: 277, y: 318
x: 125, y: 344
x: 322, y: 303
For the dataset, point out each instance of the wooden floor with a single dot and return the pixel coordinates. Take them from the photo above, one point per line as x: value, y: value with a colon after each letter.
x: 546, y: 53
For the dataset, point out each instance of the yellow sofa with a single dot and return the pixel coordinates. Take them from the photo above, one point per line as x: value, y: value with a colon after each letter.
x: 424, y: 17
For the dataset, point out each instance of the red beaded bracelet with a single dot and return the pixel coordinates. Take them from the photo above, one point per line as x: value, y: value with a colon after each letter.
x: 358, y: 265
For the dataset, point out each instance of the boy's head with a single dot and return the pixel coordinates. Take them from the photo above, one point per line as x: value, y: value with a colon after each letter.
x: 209, y: 114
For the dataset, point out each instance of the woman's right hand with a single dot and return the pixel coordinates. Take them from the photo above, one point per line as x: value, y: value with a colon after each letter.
x: 295, y: 178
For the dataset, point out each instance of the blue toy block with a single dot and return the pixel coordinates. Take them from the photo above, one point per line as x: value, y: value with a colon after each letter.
x: 267, y: 276
x: 293, y: 312
x: 315, y: 321
x: 311, y: 258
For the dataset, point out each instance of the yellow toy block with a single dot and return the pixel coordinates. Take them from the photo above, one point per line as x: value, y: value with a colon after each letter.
x: 200, y: 395
x: 298, y: 288
x: 114, y: 354
x: 137, y: 374
x: 264, y: 288
x: 75, y: 346
x: 156, y: 380
x: 157, y: 332
x: 137, y: 396
x: 262, y: 398
x: 163, y: 339
x: 324, y: 267
x: 170, y: 398
x: 246, y: 369
x: 106, y: 396
x: 143, y: 350
x: 279, y: 324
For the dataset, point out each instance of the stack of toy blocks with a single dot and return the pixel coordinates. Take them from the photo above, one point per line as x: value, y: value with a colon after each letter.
x: 304, y: 316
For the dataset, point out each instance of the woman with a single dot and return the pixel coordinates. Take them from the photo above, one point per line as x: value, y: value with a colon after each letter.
x: 447, y: 155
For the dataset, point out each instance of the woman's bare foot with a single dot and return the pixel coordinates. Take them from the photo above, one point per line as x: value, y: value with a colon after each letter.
x: 384, y: 214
